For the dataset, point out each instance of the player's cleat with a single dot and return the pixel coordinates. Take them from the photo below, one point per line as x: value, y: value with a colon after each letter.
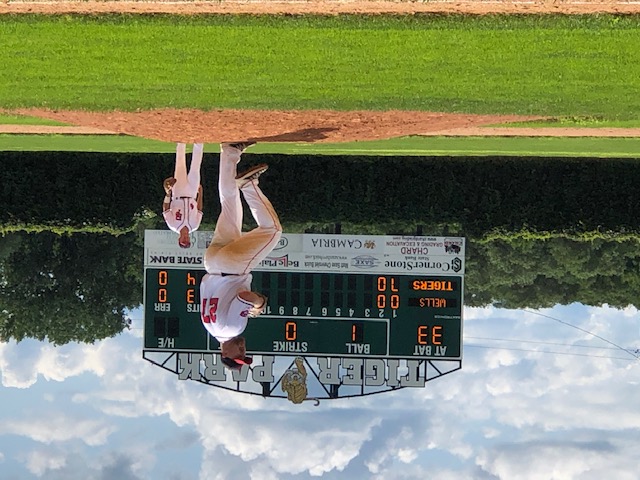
x: 240, y: 146
x: 252, y: 174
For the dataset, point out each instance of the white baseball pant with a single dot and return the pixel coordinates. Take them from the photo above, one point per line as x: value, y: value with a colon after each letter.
x: 231, y: 250
x: 187, y: 183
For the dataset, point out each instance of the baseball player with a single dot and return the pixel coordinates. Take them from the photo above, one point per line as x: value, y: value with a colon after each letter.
x: 182, y: 205
x: 227, y: 301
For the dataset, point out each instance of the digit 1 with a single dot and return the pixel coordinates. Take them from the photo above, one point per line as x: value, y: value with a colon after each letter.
x: 357, y: 332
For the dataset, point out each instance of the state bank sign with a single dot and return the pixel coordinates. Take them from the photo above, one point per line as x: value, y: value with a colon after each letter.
x: 348, y: 315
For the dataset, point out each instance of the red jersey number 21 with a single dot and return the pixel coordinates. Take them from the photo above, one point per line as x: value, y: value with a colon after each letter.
x: 209, y: 314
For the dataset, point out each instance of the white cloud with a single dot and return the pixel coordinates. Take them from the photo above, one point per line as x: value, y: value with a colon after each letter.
x: 313, y: 443
x: 16, y: 363
x: 262, y: 471
x: 420, y: 472
x: 42, y: 461
x: 574, y: 459
x: 22, y: 364
x: 407, y: 455
x: 491, y: 432
x: 59, y: 427
x: 559, y: 392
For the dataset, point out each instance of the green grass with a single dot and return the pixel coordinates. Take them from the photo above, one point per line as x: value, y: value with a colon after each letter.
x: 577, y: 122
x: 26, y: 120
x: 545, y: 65
x: 475, y: 146
x: 82, y: 143
x: 420, y: 146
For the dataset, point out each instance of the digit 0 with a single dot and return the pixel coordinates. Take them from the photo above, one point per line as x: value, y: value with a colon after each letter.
x: 163, y: 279
x: 290, y: 331
x: 395, y: 301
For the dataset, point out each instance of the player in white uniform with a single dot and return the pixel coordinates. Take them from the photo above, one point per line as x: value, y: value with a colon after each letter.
x: 182, y: 206
x: 227, y: 301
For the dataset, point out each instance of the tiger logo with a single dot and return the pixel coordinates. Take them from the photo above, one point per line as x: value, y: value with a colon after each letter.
x: 294, y: 382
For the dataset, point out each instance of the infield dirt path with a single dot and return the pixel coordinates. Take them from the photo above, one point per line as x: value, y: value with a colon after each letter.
x: 267, y: 125
x: 328, y: 7
x: 291, y: 126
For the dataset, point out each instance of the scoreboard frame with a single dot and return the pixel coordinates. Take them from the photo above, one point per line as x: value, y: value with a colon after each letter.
x: 404, y: 297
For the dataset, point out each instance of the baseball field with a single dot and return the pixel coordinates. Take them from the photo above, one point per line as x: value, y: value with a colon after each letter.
x: 384, y: 78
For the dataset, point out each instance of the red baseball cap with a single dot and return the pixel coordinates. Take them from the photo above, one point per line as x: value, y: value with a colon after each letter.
x: 236, y: 363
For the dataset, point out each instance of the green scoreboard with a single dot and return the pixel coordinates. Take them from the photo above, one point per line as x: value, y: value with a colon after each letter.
x: 313, y: 313
x: 386, y: 305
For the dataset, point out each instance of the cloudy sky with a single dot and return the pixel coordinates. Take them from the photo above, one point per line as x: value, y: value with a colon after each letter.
x: 535, y: 399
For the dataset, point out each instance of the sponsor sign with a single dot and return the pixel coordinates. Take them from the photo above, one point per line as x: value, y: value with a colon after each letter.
x: 325, y: 253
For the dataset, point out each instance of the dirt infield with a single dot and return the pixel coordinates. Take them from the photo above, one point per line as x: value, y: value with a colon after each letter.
x: 213, y: 126
x: 321, y: 126
x: 328, y: 7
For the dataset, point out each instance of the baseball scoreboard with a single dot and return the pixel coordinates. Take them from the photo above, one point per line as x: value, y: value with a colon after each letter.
x: 400, y: 299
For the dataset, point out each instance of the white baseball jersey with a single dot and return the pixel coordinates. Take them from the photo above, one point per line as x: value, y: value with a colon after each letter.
x: 183, y: 212
x: 224, y: 314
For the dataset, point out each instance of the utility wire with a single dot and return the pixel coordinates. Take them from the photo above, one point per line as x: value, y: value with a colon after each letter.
x: 634, y: 355
x: 515, y: 340
x: 546, y: 351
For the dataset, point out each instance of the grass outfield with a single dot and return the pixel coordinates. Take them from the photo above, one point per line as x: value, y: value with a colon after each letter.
x: 576, y: 122
x: 82, y: 143
x: 546, y: 65
x: 24, y: 120
x: 419, y: 146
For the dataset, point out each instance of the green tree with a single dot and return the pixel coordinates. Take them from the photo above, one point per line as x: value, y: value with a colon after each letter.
x: 531, y: 273
x: 69, y: 288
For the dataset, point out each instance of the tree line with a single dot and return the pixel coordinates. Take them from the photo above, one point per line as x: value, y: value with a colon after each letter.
x: 77, y: 287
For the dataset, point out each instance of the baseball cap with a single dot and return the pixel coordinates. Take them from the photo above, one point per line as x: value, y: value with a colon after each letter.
x: 236, y: 363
